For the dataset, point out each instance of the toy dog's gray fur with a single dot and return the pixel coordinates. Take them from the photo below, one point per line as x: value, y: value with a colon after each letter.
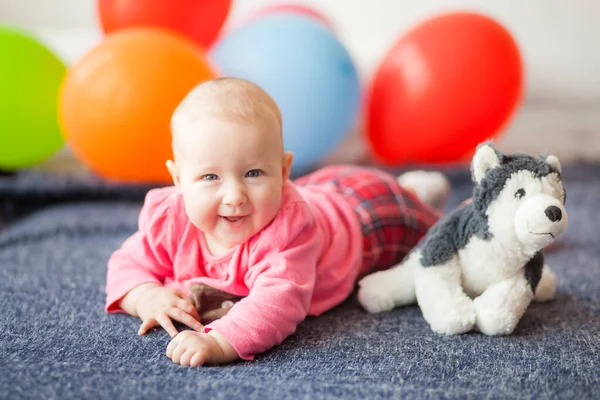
x: 456, y: 229
x: 481, y: 265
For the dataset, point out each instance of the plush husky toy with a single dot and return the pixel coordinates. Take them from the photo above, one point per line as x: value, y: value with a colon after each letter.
x: 481, y: 265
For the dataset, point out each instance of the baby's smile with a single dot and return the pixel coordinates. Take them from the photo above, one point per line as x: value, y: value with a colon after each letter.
x: 234, y: 220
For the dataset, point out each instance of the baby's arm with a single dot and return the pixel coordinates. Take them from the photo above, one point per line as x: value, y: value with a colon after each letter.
x: 280, y: 279
x: 130, y: 301
x: 137, y: 270
x: 263, y: 319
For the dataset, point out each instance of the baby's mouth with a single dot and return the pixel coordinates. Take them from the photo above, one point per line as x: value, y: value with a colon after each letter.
x: 233, y: 218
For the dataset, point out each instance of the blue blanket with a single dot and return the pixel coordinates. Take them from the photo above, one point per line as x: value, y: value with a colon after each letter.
x: 57, y: 342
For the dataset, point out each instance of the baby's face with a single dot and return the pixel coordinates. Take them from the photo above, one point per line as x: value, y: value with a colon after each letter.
x: 231, y: 175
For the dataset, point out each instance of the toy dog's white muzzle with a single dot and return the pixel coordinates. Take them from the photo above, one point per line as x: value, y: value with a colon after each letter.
x: 539, y: 220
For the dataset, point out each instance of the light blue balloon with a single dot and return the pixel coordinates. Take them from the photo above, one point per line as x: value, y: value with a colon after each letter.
x: 308, y: 72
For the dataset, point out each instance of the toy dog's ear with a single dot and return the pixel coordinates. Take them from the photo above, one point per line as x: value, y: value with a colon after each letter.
x: 552, y: 160
x: 484, y: 159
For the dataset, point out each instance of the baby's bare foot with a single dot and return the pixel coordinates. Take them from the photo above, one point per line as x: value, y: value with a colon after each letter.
x: 431, y: 187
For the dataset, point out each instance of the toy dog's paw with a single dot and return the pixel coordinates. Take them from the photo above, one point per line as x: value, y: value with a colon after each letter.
x: 376, y: 293
x: 211, y: 303
x: 492, y: 320
x: 452, y: 318
x: 546, y: 288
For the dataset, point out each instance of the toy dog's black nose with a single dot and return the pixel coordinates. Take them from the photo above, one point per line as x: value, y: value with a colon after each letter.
x: 553, y: 213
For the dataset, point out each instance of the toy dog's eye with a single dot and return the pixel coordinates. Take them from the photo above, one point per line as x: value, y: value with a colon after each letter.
x: 520, y: 193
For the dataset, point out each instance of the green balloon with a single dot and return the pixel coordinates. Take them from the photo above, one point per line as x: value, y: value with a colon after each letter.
x: 30, y: 77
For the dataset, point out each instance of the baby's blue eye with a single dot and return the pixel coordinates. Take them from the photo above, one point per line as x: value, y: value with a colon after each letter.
x: 520, y: 193
x: 210, y: 177
x: 253, y: 173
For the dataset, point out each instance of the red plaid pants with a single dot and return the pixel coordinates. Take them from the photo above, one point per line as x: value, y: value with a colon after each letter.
x: 392, y: 219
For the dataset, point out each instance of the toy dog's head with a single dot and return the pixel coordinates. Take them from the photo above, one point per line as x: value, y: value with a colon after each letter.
x: 519, y: 195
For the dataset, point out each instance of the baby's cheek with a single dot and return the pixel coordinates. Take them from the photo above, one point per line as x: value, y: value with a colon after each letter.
x: 272, y: 204
x: 201, y: 216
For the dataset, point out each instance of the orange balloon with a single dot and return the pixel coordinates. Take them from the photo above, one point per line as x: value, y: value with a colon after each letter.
x: 201, y: 20
x: 448, y: 84
x: 115, y: 104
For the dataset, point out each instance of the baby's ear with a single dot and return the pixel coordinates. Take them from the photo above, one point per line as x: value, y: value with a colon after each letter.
x: 174, y: 172
x: 484, y: 160
x: 287, y: 165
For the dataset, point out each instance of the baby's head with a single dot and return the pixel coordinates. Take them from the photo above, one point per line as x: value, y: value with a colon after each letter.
x: 229, y: 161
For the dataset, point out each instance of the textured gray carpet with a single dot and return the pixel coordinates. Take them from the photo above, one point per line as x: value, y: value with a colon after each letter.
x: 56, y: 342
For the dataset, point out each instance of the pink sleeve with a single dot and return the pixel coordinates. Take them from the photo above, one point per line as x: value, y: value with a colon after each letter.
x: 281, y: 279
x: 146, y: 256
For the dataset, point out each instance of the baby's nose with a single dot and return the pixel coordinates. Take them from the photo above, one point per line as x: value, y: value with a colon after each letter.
x: 234, y: 196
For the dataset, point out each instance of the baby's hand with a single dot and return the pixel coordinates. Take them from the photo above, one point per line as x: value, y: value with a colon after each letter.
x: 194, y: 349
x: 158, y: 305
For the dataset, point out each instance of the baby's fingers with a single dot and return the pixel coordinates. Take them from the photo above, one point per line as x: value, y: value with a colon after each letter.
x: 184, y: 350
x: 161, y: 319
x: 176, y: 354
x: 188, y: 306
x: 146, y: 325
x: 186, y: 319
x: 198, y: 359
x: 186, y: 357
x: 164, y: 321
x: 172, y: 346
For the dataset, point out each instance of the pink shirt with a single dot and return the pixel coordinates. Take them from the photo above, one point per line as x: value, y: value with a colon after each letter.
x: 304, y: 262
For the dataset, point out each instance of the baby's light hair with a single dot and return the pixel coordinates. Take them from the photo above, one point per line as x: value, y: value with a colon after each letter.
x: 233, y: 98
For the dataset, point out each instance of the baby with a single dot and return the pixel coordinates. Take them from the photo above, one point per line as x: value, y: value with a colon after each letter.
x: 235, y: 222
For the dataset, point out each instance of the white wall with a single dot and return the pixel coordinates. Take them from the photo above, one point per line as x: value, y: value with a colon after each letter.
x: 559, y: 39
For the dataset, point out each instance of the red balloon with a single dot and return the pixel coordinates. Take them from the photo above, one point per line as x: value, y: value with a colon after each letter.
x: 448, y: 84
x: 294, y: 9
x: 199, y: 19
